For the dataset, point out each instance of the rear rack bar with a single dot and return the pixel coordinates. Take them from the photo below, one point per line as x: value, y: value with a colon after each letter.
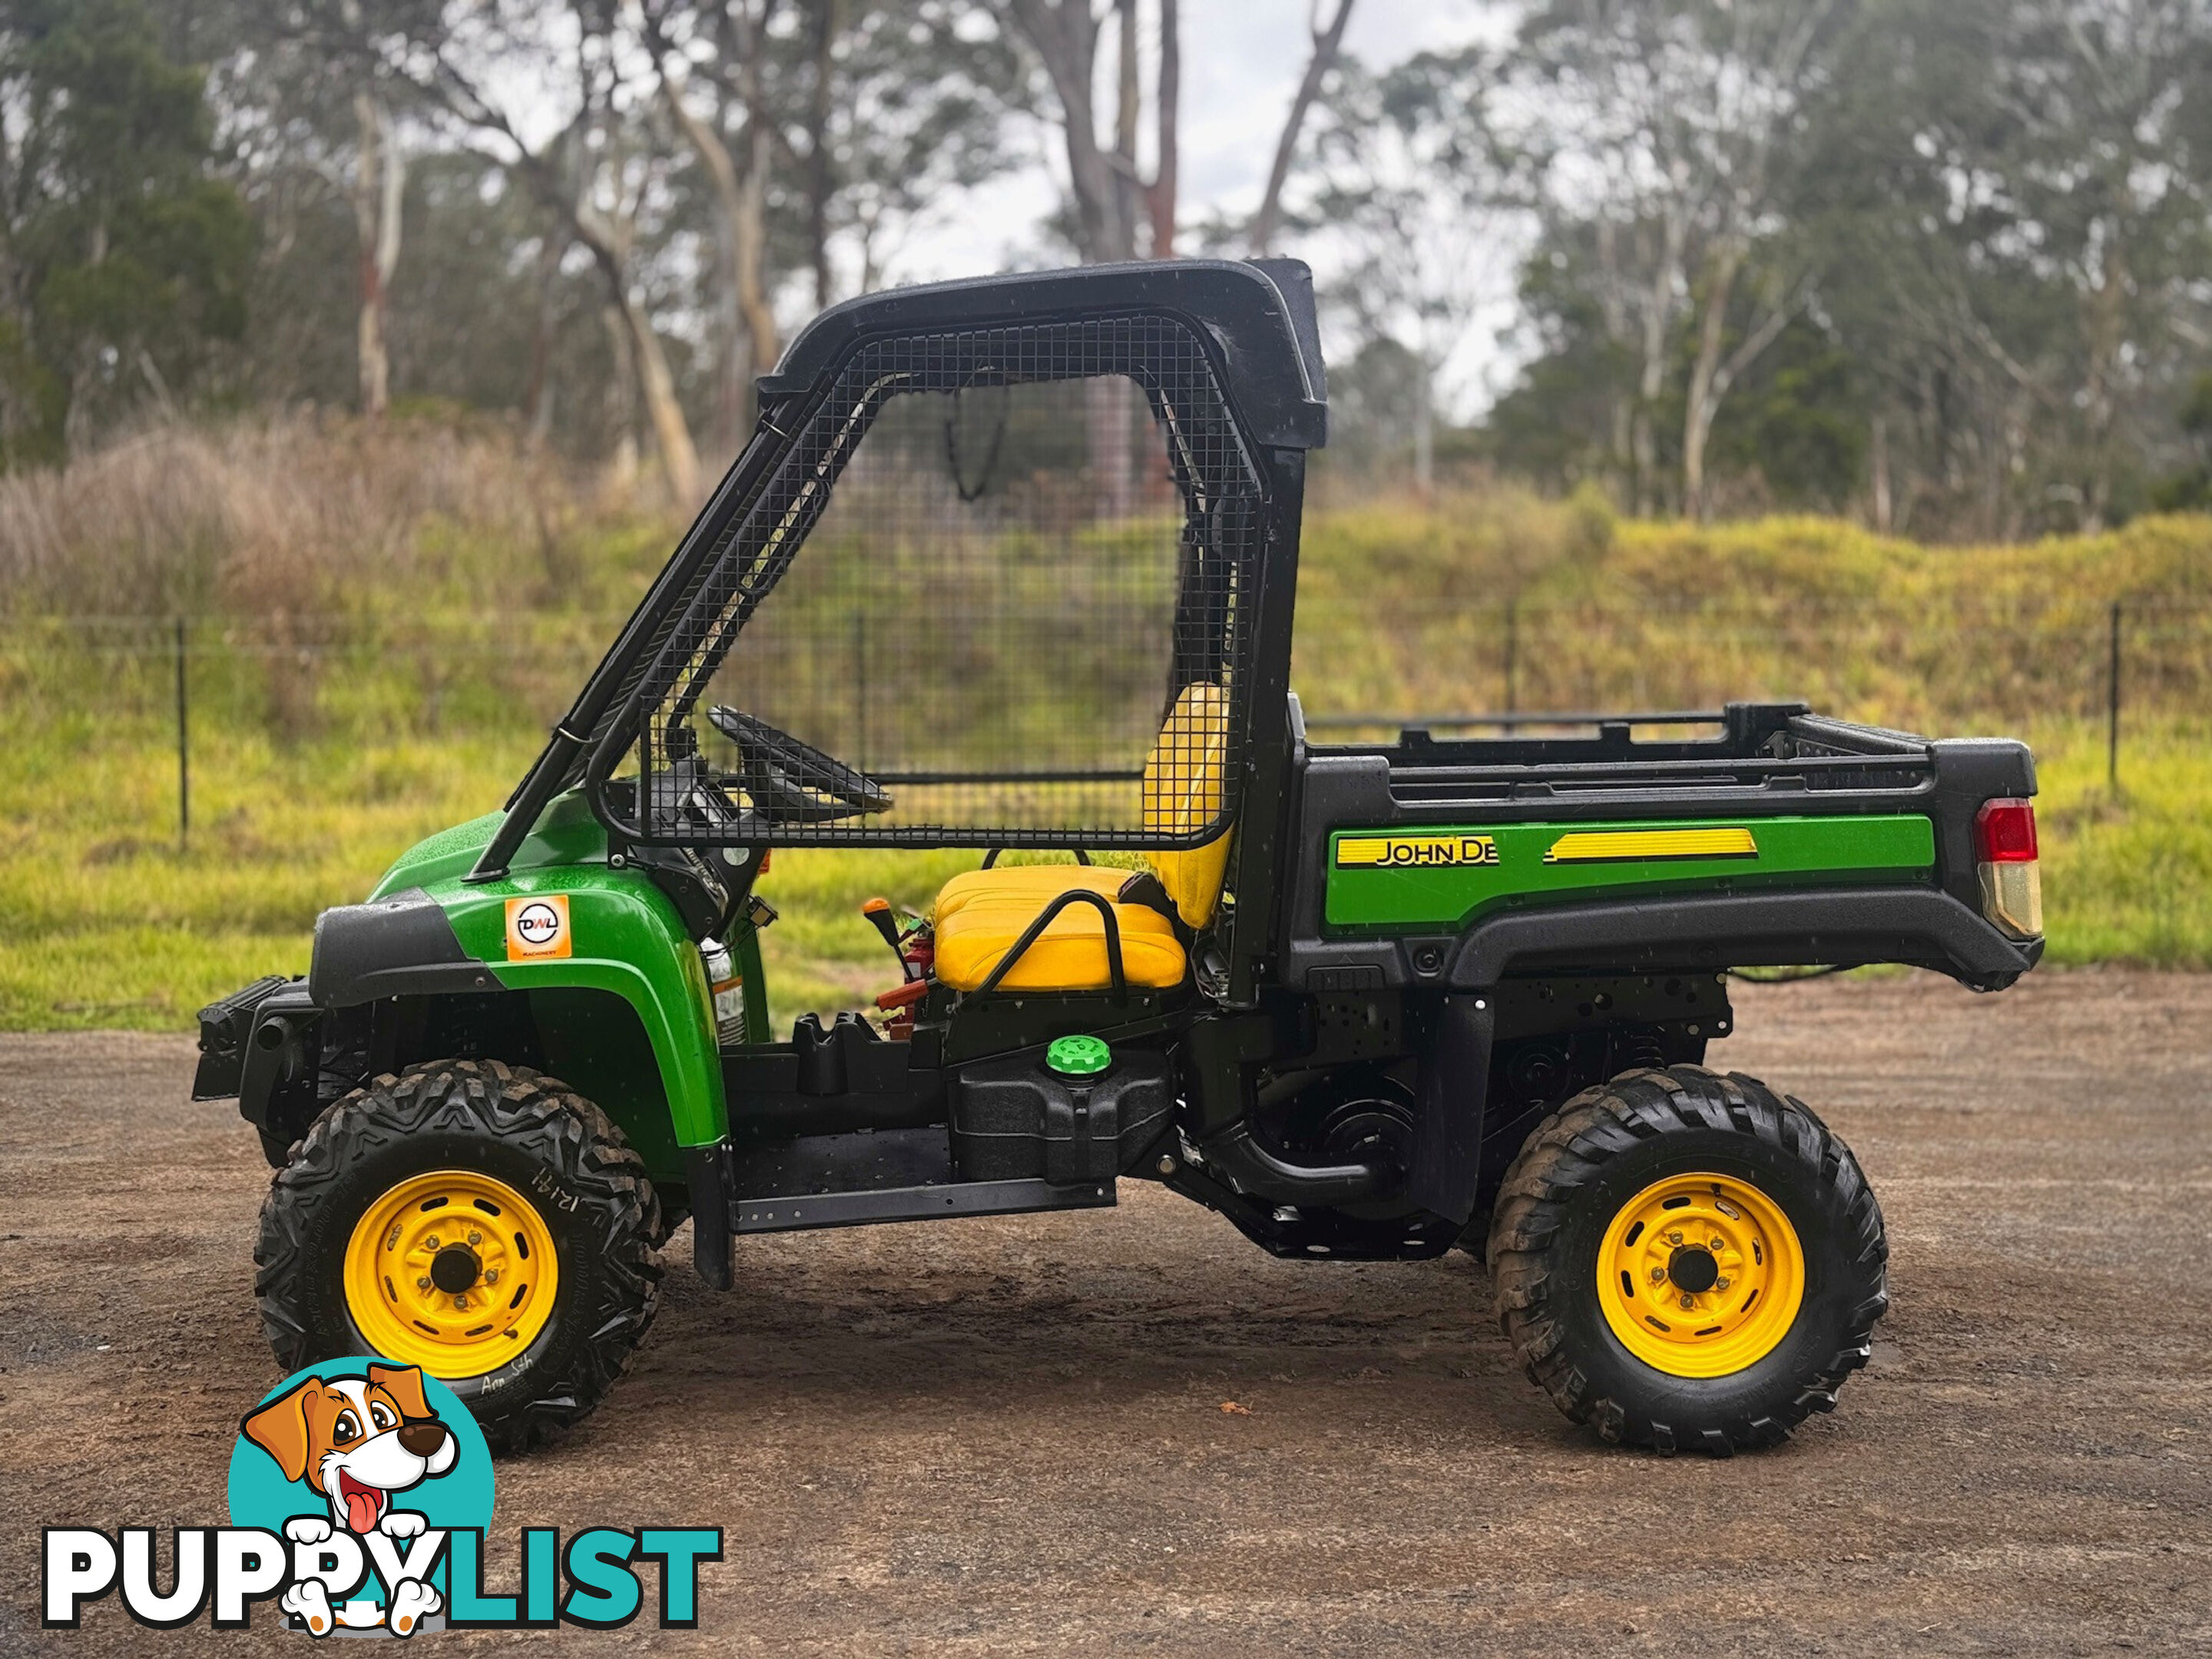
x: 1767, y: 764
x: 1430, y: 722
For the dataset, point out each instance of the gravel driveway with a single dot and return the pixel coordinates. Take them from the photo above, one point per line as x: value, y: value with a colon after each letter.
x: 1010, y: 1435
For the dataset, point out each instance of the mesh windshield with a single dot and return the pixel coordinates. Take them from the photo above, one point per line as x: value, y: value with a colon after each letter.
x: 971, y: 605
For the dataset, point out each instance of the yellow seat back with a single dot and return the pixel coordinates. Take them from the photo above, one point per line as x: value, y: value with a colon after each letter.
x: 1183, y: 781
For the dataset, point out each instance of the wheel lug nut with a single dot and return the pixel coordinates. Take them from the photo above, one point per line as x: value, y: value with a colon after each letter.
x: 1720, y: 1284
x: 492, y: 1278
x: 477, y: 1238
x: 423, y: 1283
x: 1658, y: 1275
x: 431, y: 1242
x: 1717, y: 1246
x: 462, y: 1302
x: 1673, y: 1237
x: 1689, y: 1301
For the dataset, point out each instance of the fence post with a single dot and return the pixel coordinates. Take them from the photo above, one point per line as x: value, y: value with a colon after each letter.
x: 184, y: 747
x: 1512, y: 650
x: 2112, y: 704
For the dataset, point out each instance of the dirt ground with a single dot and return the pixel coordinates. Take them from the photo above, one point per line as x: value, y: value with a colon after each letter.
x: 1003, y: 1435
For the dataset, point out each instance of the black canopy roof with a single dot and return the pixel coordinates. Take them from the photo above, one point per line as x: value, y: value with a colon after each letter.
x: 1260, y: 313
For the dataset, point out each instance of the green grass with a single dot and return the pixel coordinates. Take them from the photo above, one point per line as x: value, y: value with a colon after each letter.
x: 2127, y: 879
x: 105, y: 922
x: 318, y: 756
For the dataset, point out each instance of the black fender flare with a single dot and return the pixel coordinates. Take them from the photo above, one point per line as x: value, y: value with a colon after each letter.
x: 1923, y: 926
x: 401, y: 944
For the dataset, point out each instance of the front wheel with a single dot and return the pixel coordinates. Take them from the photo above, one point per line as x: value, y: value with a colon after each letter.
x: 1687, y: 1261
x: 473, y: 1219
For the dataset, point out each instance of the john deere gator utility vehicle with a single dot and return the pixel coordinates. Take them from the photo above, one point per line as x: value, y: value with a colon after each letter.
x: 1009, y: 565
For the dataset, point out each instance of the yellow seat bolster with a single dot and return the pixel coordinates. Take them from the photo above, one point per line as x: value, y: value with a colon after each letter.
x: 1183, y: 784
x: 1069, y: 955
x: 1034, y: 885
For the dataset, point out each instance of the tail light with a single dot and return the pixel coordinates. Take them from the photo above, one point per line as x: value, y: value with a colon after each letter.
x: 2012, y: 885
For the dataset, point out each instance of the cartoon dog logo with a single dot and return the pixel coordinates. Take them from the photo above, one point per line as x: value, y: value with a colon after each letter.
x: 356, y: 1442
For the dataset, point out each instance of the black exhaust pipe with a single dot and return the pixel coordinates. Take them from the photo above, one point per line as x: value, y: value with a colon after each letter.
x: 1258, y: 1173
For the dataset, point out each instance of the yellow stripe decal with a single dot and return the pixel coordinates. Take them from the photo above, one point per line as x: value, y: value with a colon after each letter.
x: 1612, y: 845
x: 1414, y: 852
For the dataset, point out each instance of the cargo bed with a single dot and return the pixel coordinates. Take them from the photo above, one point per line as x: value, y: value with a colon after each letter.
x: 1758, y: 834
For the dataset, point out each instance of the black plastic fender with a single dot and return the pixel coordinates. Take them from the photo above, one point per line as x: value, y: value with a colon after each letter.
x: 1922, y: 925
x: 401, y: 944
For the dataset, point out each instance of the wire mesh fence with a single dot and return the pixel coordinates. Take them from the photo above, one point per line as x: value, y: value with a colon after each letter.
x: 112, y: 681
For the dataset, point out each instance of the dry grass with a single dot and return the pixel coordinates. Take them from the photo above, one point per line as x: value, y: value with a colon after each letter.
x: 289, y: 515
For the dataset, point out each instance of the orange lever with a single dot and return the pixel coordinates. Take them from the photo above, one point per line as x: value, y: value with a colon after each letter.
x: 879, y: 910
x: 904, y: 995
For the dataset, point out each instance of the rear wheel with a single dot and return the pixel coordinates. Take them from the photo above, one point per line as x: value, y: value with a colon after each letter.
x: 1688, y: 1261
x: 474, y: 1218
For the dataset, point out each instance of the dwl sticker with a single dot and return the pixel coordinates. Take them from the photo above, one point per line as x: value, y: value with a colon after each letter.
x: 538, y: 927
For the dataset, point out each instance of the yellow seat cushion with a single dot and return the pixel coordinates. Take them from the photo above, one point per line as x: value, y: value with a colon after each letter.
x: 979, y: 915
x: 1035, y: 884
x: 1069, y: 955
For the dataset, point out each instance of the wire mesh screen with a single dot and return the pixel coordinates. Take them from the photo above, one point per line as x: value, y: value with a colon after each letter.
x: 999, y: 591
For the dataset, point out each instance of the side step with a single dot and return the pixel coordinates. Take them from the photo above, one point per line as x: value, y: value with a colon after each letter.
x: 949, y: 1198
x: 849, y: 1180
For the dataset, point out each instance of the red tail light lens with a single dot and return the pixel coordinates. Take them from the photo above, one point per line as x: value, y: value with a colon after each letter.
x: 2004, y: 832
x: 2012, y: 882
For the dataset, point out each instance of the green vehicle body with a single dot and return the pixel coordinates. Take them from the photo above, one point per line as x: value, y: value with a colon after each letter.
x: 631, y: 944
x: 1520, y: 867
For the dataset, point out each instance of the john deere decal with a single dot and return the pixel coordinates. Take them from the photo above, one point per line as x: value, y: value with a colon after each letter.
x: 1641, y: 846
x: 1414, y: 852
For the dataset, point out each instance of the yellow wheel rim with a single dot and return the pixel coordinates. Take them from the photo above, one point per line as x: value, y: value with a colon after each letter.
x: 453, y: 1271
x: 1700, y: 1275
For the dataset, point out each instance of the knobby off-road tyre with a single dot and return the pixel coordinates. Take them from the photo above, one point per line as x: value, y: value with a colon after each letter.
x: 1769, y: 1178
x: 473, y: 1175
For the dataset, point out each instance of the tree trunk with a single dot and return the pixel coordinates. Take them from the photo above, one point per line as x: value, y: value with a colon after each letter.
x: 740, y: 233
x: 1698, y: 407
x: 1424, y: 423
x: 2107, y: 331
x: 1620, y: 412
x: 821, y: 181
x: 1065, y: 36
x: 1160, y: 196
x: 1658, y: 312
x: 1878, y: 466
x: 379, y: 190
x: 670, y: 429
x: 622, y: 399
x: 1267, y: 222
x: 750, y: 223
x: 1128, y: 105
x: 752, y: 249
x: 537, y: 401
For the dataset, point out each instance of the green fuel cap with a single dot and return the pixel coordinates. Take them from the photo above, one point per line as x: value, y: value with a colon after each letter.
x: 1077, y: 1056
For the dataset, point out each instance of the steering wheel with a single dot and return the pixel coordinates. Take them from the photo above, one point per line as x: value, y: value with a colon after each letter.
x: 793, y: 782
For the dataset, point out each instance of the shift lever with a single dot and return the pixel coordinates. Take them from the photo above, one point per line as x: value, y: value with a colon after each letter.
x: 879, y: 910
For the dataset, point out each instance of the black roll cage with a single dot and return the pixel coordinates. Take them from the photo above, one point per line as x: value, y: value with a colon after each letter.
x: 1256, y: 324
